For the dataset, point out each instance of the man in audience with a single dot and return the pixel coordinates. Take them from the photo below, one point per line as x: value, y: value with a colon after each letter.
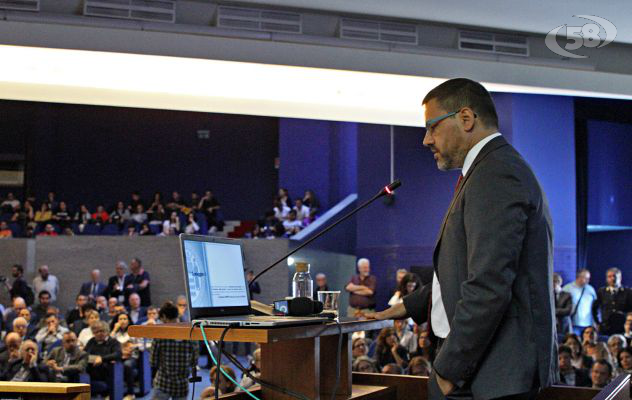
x: 14, y: 312
x: 361, y: 290
x: 11, y: 350
x: 101, y: 304
x: 563, y: 306
x: 627, y: 328
x: 49, y: 230
x: 41, y: 308
x: 321, y: 284
x: 600, y: 374
x: 139, y: 216
x: 253, y: 287
x: 46, y: 281
x: 583, y: 295
x: 302, y: 211
x: 616, y: 343
x: 102, y: 350
x: 138, y: 282
x: 19, y: 287
x: 183, y: 309
x: 25, y: 369
x: 94, y: 287
x: 137, y: 313
x: 10, y: 203
x: 62, y: 217
x: 612, y: 303
x: 292, y: 225
x: 67, y: 361
x: 21, y: 327
x: 152, y: 317
x: 116, y: 283
x: 173, y: 360
x: 50, y: 333
x: 570, y: 375
x: 76, y: 313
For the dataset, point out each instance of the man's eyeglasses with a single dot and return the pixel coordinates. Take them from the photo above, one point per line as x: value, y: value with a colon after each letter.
x: 431, y: 124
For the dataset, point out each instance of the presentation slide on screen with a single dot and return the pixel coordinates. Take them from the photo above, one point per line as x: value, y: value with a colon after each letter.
x: 216, y: 274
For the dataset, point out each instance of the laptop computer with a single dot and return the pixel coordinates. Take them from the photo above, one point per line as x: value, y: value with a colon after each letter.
x: 216, y: 285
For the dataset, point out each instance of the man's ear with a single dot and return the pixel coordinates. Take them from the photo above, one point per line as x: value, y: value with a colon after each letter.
x: 467, y: 116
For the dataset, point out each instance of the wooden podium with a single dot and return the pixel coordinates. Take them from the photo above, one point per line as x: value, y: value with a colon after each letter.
x: 301, y: 358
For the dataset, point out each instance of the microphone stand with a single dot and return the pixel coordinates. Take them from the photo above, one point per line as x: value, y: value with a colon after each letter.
x: 387, y: 190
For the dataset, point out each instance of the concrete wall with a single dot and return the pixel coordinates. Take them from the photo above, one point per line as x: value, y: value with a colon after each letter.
x: 72, y: 258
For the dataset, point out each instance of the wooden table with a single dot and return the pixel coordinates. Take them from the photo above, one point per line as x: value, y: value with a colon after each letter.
x: 301, y: 358
x: 46, y: 391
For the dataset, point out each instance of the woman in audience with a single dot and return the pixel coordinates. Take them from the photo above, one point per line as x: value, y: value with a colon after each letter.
x: 192, y: 226
x: 25, y: 369
x: 600, y: 351
x: 83, y: 217
x: 100, y: 216
x: 424, y: 346
x: 311, y: 201
x: 625, y: 361
x: 419, y: 366
x: 225, y: 385
x: 120, y: 215
x: 129, y: 348
x: 139, y: 216
x: 144, y: 230
x: 409, y: 283
x: 389, y: 351
x: 359, y: 348
x: 364, y: 364
x: 85, y: 334
x: 24, y: 215
x: 44, y: 215
x: 171, y: 226
x: 158, y: 216
x: 156, y: 202
x: 62, y: 216
x: 281, y: 211
x: 284, y: 198
x: 616, y: 343
x: 580, y: 360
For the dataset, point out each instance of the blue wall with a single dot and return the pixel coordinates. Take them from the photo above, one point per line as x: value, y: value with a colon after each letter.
x: 318, y: 155
x: 542, y: 129
x: 609, y: 173
x: 101, y: 154
x: 606, y: 250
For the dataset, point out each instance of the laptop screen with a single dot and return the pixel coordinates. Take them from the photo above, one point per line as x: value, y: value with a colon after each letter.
x: 214, y: 271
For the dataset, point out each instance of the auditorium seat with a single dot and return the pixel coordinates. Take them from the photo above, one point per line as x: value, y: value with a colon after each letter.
x: 91, y: 229
x: 110, y: 229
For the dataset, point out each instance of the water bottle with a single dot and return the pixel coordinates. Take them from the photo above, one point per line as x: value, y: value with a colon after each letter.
x: 302, y: 284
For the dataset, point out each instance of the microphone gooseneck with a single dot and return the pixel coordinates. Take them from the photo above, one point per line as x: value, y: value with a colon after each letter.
x: 385, y: 191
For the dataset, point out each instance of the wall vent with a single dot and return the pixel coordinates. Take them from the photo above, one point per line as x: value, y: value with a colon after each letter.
x: 494, y: 43
x: 259, y: 20
x: 378, y: 31
x: 143, y: 10
x: 20, y: 5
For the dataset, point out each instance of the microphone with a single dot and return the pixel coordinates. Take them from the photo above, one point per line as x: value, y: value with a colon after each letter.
x: 385, y: 191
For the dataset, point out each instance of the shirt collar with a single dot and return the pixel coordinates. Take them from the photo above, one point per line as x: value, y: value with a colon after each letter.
x: 471, y: 155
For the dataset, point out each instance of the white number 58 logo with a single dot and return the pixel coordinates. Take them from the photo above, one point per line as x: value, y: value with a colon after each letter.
x: 587, y: 35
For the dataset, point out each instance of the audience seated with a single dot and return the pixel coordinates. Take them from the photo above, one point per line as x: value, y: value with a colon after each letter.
x: 388, y: 350
x: 66, y: 362
x: 624, y: 360
x: 137, y: 313
x: 600, y: 374
x: 569, y: 375
x: 102, y: 352
x: 76, y: 313
x: 25, y: 368
x: 364, y: 364
x: 129, y: 349
x: 50, y: 335
x: 10, y: 350
x: 85, y: 333
x: 225, y: 385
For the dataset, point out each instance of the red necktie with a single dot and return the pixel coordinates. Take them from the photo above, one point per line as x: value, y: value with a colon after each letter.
x: 458, y: 183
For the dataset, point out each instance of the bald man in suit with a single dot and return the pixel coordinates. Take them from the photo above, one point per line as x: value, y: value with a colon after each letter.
x: 490, y: 304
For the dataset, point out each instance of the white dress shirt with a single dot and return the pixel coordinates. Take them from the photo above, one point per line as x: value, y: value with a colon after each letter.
x: 438, y: 316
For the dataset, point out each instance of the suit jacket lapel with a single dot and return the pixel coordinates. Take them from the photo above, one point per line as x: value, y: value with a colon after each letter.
x: 488, y: 148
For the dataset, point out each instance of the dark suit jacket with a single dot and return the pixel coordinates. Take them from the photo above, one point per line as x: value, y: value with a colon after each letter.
x: 581, y: 378
x: 142, y: 315
x: 87, y: 286
x: 563, y: 309
x: 110, y: 291
x: 494, y: 262
x: 609, y: 309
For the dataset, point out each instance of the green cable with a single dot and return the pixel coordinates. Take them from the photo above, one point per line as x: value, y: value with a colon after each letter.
x: 208, y: 347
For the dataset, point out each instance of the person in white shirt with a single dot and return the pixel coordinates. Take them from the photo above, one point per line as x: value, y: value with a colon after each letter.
x: 46, y: 281
x: 292, y: 225
x: 302, y: 211
x: 281, y: 211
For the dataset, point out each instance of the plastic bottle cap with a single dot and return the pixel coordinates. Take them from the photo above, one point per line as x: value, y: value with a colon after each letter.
x: 302, y: 267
